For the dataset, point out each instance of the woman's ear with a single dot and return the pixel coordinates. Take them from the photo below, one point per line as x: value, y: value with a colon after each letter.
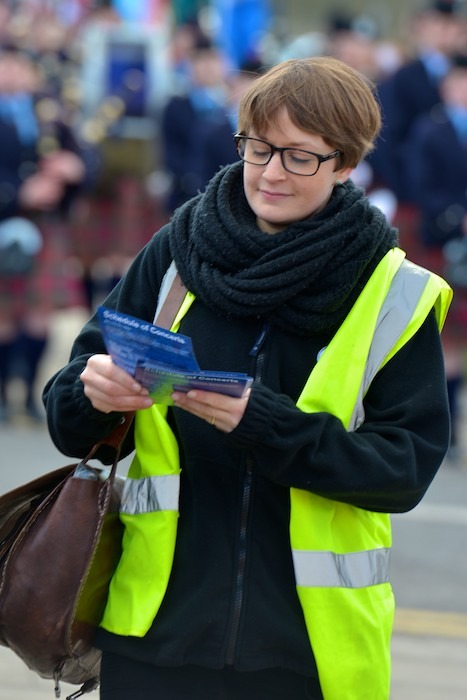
x: 343, y: 175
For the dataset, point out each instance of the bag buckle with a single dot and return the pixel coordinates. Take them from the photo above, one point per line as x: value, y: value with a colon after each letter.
x: 87, y: 687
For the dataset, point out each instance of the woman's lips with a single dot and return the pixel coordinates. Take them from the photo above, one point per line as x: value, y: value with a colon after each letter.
x: 273, y: 196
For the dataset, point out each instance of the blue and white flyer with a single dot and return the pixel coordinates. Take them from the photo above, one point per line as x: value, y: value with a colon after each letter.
x: 160, y: 360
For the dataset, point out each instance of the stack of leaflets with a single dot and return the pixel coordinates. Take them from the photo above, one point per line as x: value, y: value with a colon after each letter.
x: 160, y: 360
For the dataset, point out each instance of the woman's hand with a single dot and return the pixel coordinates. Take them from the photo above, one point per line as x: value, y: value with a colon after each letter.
x: 110, y: 388
x: 223, y: 412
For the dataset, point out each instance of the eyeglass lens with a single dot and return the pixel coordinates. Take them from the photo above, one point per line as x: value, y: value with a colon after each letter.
x: 296, y: 161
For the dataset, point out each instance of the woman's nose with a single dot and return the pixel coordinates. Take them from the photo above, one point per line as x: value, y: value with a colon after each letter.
x: 275, y: 169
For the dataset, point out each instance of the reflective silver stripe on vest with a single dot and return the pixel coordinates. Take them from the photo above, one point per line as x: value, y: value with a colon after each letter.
x: 367, y: 568
x: 396, y: 312
x: 166, y: 284
x: 150, y: 494
x: 330, y: 570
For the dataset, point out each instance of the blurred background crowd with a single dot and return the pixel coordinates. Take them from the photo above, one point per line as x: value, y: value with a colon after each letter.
x: 114, y: 112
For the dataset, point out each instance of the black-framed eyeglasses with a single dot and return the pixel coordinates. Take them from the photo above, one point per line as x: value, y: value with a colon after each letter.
x: 294, y: 160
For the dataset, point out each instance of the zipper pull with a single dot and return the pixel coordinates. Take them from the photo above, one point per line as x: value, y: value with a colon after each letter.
x: 260, y: 340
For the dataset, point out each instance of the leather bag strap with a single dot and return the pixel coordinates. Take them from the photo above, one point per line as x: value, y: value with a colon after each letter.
x: 171, y: 295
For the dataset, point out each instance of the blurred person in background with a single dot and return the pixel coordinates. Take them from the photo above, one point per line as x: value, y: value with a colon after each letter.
x: 188, y: 118
x: 354, y: 41
x: 439, y: 165
x: 437, y: 32
x: 438, y: 170
x: 219, y: 145
x: 42, y: 170
x: 183, y: 40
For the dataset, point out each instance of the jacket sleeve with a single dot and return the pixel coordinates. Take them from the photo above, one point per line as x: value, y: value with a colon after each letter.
x: 388, y: 463
x: 74, y: 424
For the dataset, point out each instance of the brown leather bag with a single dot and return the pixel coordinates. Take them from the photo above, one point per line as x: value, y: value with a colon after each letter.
x: 60, y: 541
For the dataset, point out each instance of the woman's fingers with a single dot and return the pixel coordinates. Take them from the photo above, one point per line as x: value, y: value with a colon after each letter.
x: 110, y: 388
x: 220, y: 411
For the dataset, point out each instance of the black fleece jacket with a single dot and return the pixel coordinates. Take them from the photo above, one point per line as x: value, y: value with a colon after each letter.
x: 231, y: 597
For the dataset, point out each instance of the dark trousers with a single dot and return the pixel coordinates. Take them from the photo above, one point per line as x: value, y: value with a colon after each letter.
x: 122, y: 679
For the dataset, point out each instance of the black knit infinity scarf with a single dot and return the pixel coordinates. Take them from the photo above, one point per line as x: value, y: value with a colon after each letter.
x: 304, y: 279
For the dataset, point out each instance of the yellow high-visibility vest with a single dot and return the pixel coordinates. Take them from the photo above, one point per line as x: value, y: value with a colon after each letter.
x: 340, y: 552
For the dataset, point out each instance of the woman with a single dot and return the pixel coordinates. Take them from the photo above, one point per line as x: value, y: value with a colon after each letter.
x: 267, y: 576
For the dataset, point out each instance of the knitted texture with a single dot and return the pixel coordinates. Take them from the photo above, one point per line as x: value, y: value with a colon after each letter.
x: 304, y: 279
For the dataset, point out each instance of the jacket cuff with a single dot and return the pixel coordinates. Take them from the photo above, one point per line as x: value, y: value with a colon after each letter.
x: 257, y: 417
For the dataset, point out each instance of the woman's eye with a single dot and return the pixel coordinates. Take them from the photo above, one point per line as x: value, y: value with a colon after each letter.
x: 300, y: 157
x: 261, y: 152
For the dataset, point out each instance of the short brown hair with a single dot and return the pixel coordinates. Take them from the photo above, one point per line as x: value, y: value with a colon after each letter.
x: 323, y: 96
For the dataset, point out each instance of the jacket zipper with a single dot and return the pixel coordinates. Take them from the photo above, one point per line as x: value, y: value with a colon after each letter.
x: 244, y: 514
x: 240, y: 577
